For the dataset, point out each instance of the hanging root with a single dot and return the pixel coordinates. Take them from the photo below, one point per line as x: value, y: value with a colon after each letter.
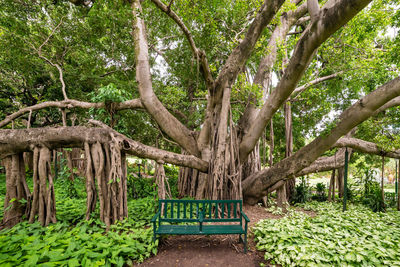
x: 43, y: 203
x: 90, y: 183
x: 188, y: 181
x: 17, y: 200
x: 224, y: 178
x: 106, y: 165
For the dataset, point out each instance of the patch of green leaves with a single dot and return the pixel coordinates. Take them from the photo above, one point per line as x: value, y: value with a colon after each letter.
x: 86, y: 244
x: 357, y: 237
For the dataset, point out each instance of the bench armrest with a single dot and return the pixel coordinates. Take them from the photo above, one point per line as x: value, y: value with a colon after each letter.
x: 154, y: 219
x: 245, y: 217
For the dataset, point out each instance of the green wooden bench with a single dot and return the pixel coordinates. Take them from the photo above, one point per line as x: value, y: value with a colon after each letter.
x: 207, y: 218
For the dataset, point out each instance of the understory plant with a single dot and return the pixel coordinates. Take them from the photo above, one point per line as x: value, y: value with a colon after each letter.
x: 302, y: 192
x: 73, y: 241
x: 357, y: 237
x: 320, y: 192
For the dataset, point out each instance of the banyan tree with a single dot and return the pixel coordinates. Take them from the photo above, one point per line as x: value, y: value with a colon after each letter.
x: 270, y: 48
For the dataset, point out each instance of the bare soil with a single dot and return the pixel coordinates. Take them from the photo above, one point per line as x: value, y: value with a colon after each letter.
x: 221, y: 250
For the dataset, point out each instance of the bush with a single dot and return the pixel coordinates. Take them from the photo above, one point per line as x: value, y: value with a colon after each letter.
x: 302, y: 192
x: 390, y: 199
x: 373, y: 198
x: 320, y: 192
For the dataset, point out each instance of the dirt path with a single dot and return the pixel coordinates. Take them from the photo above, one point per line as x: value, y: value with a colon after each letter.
x: 193, y: 251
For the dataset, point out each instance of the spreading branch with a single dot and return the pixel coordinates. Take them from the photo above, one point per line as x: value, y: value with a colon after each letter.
x: 242, y: 52
x: 256, y: 185
x: 198, y: 53
x: 60, y: 71
x: 330, y: 20
x: 168, y: 123
x: 392, y: 103
x: 304, y: 87
x: 69, y: 104
x: 366, y: 147
x: 263, y: 74
x: 313, y: 9
x: 24, y: 140
x: 324, y: 164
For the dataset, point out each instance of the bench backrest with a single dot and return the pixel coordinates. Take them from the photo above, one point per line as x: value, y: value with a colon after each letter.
x: 179, y: 210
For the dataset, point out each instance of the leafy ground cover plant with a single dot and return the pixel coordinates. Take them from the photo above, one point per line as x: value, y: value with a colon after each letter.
x: 357, y: 237
x: 85, y: 244
x: 72, y: 241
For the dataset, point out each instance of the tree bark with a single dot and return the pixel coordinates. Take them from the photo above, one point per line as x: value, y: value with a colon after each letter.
x: 330, y: 20
x: 23, y: 140
x: 168, y: 123
x: 16, y: 190
x: 255, y: 186
x: 69, y: 104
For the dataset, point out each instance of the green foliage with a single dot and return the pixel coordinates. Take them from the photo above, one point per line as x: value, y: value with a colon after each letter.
x: 302, y: 192
x: 390, y: 199
x: 72, y: 241
x: 373, y: 197
x: 141, y: 187
x: 320, y: 195
x: 357, y: 237
x: 85, y: 244
x: 64, y: 179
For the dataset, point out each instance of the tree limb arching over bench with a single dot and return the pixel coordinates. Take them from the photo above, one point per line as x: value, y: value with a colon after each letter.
x: 201, y: 212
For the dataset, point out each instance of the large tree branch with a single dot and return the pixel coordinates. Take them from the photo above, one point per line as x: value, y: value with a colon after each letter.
x: 198, y: 53
x: 262, y: 76
x: 324, y: 164
x: 313, y: 9
x: 256, y: 185
x: 22, y: 140
x: 236, y: 62
x: 392, y: 103
x: 68, y: 104
x: 366, y: 147
x: 241, y: 53
x: 330, y: 20
x: 170, y: 125
x: 337, y: 161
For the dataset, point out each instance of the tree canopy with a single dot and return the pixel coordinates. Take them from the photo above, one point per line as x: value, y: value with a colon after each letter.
x: 216, y: 80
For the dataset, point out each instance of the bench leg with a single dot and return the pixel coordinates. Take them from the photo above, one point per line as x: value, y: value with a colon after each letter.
x: 245, y: 243
x: 154, y: 237
x: 240, y: 239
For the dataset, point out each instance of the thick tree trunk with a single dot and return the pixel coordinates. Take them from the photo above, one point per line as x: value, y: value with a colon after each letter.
x: 224, y: 177
x: 256, y: 185
x: 281, y: 198
x: 91, y: 197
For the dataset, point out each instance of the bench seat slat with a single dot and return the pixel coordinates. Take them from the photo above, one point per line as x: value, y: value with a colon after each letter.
x: 194, y: 230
